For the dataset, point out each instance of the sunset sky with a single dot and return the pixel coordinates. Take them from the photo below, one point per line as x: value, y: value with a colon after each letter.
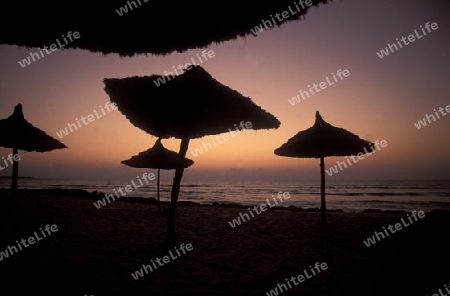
x: 380, y: 100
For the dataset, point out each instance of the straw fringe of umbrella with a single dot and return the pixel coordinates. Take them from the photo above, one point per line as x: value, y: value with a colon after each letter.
x: 123, y: 34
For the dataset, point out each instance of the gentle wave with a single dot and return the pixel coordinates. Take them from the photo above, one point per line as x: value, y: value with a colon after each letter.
x: 351, y: 196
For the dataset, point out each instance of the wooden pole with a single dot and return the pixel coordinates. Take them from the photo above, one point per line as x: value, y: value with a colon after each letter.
x: 171, y: 237
x: 15, y: 176
x: 157, y: 184
x: 323, y: 208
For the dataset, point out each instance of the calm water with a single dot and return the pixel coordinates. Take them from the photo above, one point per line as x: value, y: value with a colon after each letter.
x: 351, y: 196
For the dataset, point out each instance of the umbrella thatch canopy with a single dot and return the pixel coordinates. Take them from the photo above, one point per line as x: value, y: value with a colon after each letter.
x: 189, y: 106
x: 157, y: 157
x: 17, y: 133
x: 148, y: 27
x: 322, y: 140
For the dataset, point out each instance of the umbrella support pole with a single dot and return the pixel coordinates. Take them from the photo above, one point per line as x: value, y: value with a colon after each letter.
x: 15, y: 176
x: 171, y: 237
x: 157, y: 184
x: 323, y: 209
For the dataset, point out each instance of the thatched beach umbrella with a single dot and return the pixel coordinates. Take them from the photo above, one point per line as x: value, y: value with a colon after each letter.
x: 157, y: 157
x: 17, y: 133
x: 189, y: 106
x: 322, y: 140
x: 122, y: 24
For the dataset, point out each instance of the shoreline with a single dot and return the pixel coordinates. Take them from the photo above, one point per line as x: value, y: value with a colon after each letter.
x: 96, y: 195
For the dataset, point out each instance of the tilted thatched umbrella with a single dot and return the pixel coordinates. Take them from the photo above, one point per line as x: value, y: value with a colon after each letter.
x: 322, y: 140
x: 191, y: 105
x: 122, y: 32
x: 17, y: 133
x: 159, y: 158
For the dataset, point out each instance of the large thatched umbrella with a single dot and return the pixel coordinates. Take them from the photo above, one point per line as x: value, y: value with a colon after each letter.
x: 191, y: 105
x: 322, y: 140
x: 17, y: 133
x: 119, y: 26
x: 157, y: 157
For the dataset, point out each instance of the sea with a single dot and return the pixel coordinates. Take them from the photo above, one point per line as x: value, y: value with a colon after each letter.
x: 349, y: 196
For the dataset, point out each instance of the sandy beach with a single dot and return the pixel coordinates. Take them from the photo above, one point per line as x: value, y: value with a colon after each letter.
x: 95, y: 251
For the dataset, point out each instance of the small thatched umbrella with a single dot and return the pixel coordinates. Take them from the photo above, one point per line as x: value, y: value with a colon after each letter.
x: 17, y: 133
x: 189, y: 106
x: 322, y: 140
x: 157, y: 157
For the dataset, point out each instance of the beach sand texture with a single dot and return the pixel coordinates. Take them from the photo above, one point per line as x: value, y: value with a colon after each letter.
x: 95, y: 250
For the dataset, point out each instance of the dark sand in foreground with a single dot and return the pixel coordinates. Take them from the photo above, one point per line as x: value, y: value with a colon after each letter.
x: 95, y: 250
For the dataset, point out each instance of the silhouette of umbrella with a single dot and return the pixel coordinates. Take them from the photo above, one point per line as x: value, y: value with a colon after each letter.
x: 189, y: 106
x: 322, y: 140
x: 159, y: 158
x: 123, y: 23
x: 17, y: 133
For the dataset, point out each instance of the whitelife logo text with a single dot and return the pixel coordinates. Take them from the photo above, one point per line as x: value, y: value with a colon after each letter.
x: 90, y: 118
x: 380, y: 235
x: 411, y: 38
x: 323, y: 85
x: 11, y: 250
x: 33, y: 56
x: 166, y: 259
